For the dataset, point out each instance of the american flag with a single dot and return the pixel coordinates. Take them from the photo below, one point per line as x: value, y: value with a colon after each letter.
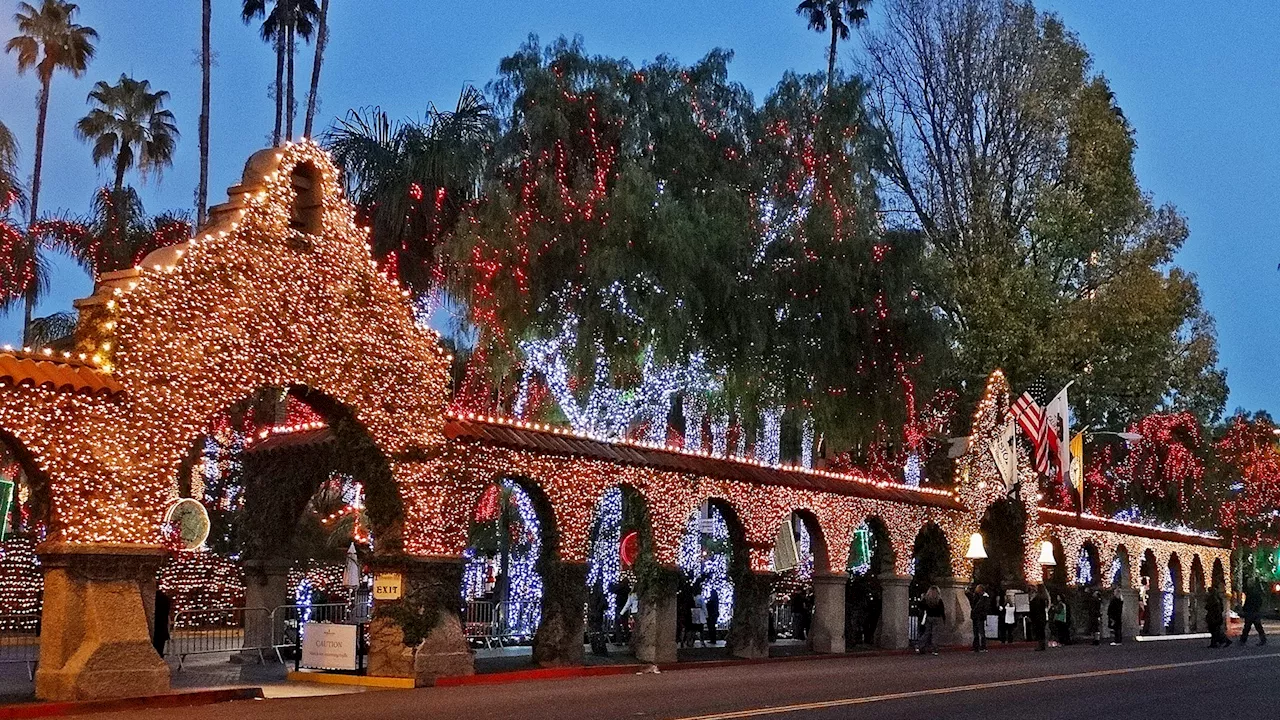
x: 1031, y: 418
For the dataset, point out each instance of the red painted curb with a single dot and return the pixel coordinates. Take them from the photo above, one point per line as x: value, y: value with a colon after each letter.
x: 187, y: 699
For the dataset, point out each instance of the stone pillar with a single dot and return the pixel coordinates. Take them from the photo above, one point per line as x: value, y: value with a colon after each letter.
x: 654, y: 638
x: 894, y: 629
x: 1181, y: 614
x: 826, y: 634
x: 420, y: 636
x: 266, y: 588
x: 1129, y: 618
x: 958, y: 629
x: 749, y: 628
x: 559, y: 640
x: 94, y: 639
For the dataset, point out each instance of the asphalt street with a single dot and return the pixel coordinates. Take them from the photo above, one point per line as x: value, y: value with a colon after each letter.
x: 1172, y: 680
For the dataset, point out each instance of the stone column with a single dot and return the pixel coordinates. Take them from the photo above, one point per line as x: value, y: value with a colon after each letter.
x: 654, y: 638
x: 266, y: 588
x: 957, y: 629
x: 94, y: 639
x: 749, y: 628
x: 559, y: 640
x: 420, y: 636
x: 894, y: 629
x: 1181, y: 614
x: 826, y: 634
x: 1129, y: 618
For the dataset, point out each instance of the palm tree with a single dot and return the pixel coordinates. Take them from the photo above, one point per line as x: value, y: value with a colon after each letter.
x: 206, y: 71
x: 410, y: 181
x: 24, y: 275
x: 48, y: 41
x: 117, y: 234
x: 839, y: 16
x: 287, y: 20
x: 322, y: 40
x: 130, y: 127
x: 10, y: 188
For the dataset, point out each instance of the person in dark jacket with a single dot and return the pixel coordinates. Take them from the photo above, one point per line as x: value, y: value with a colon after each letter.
x: 713, y: 616
x: 1093, y: 606
x: 1115, y: 618
x: 1213, y: 610
x: 979, y: 609
x: 935, y: 613
x: 160, y: 631
x: 1040, y: 617
x: 1251, y: 612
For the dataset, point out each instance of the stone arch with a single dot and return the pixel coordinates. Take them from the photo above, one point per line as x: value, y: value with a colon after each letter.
x: 1219, y: 576
x: 882, y: 558
x: 306, y: 211
x: 1003, y: 526
x: 37, y: 478
x: 1057, y: 576
x: 1088, y: 569
x: 931, y: 554
x: 1119, y: 574
x: 1196, y: 594
x: 817, y: 538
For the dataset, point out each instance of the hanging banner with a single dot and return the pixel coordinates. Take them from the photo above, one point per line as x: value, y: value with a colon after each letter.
x: 1005, y: 453
x: 785, y: 553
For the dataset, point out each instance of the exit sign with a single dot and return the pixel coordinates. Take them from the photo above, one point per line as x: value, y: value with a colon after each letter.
x: 388, y: 586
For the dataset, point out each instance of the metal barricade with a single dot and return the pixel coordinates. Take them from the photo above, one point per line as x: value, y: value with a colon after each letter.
x: 478, y: 622
x: 287, y: 621
x: 20, y: 640
x: 497, y: 624
x: 222, y: 630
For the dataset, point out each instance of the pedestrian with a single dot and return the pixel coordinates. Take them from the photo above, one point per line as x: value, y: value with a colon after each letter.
x: 699, y: 620
x: 871, y: 620
x: 1213, y: 617
x: 1008, y: 616
x: 798, y: 614
x: 1093, y: 606
x: 713, y: 616
x: 1115, y: 617
x: 684, y: 615
x: 1040, y: 617
x: 160, y: 631
x: 979, y: 609
x: 1251, y: 612
x: 595, y: 619
x: 1060, y: 627
x: 934, y: 613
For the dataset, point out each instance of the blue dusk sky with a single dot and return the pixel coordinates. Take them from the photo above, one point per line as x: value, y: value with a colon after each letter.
x: 1199, y: 84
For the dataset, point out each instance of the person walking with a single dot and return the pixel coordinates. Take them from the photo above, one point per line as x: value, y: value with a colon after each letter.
x: 1008, y: 616
x: 1115, y: 618
x: 699, y: 621
x: 1061, y: 629
x: 1040, y: 617
x: 1251, y: 612
x: 713, y: 616
x: 934, y: 613
x: 979, y: 609
x: 1213, y: 610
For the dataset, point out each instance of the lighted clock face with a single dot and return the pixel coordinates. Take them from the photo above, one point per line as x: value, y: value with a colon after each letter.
x: 191, y: 521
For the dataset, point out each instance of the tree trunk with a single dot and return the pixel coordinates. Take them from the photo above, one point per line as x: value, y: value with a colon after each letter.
x: 275, y: 137
x: 289, y: 84
x: 322, y: 39
x: 119, y: 182
x: 206, y: 63
x: 29, y: 299
x: 831, y: 56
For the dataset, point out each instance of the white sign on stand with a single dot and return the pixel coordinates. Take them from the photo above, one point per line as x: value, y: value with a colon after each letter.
x: 326, y: 646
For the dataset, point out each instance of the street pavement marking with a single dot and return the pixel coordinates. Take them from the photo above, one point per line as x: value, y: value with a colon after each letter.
x: 781, y: 709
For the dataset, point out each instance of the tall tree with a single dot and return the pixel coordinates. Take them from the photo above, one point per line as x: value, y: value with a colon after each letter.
x: 282, y: 26
x: 839, y: 16
x: 1011, y: 159
x: 322, y: 41
x: 206, y: 72
x: 129, y: 127
x: 411, y: 181
x: 48, y: 40
x: 115, y: 235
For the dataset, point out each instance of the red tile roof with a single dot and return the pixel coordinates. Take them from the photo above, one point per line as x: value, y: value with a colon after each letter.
x: 492, y: 431
x: 1093, y: 522
x: 57, y: 375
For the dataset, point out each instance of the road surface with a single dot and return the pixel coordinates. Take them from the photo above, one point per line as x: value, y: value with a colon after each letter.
x: 1171, y: 680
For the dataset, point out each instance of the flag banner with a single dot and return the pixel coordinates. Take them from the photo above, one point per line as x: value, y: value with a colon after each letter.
x: 785, y: 553
x: 1057, y: 417
x: 1032, y: 420
x: 1077, y: 465
x: 1005, y: 454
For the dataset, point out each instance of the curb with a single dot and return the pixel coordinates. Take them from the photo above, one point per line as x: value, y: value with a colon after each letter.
x: 580, y: 671
x: 83, y: 707
x: 372, y: 681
